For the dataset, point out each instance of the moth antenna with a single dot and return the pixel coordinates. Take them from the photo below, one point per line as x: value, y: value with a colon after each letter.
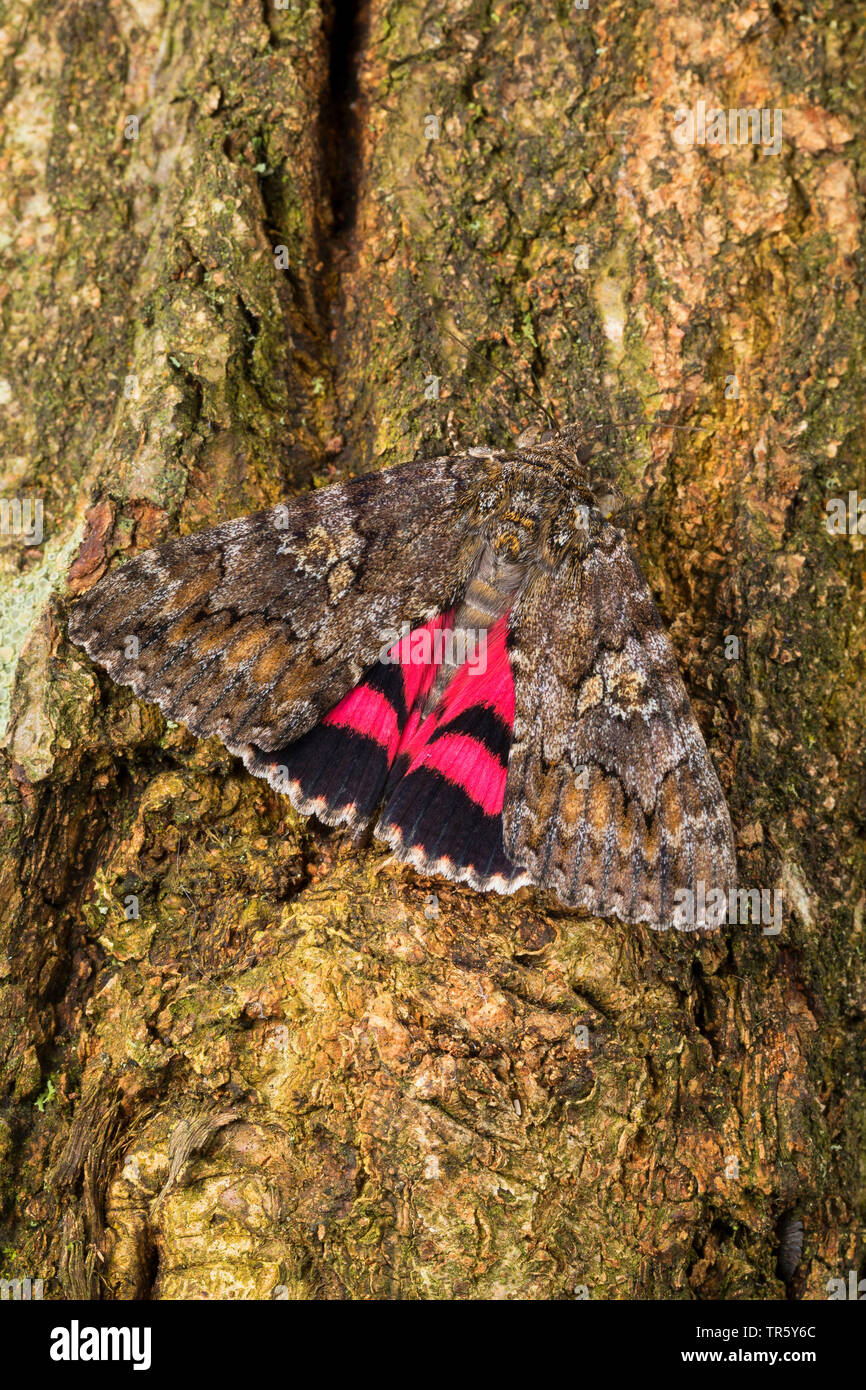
x: 537, y: 400
x: 551, y: 413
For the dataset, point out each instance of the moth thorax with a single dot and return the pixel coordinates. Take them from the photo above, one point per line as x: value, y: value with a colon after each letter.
x: 514, y: 538
x: 506, y: 546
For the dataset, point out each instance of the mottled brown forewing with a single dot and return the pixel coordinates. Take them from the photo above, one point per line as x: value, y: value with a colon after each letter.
x: 254, y: 629
x: 611, y: 800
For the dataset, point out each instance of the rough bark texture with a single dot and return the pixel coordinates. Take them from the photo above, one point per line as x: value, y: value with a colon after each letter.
x: 300, y: 1072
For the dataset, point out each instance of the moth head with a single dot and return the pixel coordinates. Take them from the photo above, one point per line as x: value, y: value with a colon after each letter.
x: 533, y: 436
x: 608, y: 497
x: 568, y: 454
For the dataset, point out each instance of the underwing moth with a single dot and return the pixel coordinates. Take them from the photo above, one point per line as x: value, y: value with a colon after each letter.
x: 460, y: 652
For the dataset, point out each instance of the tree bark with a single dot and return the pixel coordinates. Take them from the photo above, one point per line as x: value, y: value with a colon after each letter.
x: 242, y: 1058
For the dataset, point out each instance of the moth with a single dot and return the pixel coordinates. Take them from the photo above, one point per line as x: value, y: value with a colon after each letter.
x: 335, y: 645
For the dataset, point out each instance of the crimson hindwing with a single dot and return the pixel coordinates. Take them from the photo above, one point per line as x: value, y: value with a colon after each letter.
x: 441, y: 774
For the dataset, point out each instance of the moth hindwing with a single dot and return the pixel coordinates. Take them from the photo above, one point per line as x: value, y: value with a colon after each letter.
x: 465, y: 646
